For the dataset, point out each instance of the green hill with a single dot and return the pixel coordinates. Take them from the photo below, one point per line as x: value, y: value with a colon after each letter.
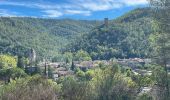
x: 125, y: 37
x: 46, y: 36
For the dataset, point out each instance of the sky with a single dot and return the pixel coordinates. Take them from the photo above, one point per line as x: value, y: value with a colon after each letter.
x: 74, y: 9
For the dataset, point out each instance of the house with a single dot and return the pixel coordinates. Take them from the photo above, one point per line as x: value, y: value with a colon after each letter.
x: 55, y: 76
x: 60, y: 69
x: 85, y: 65
x: 145, y: 90
x: 58, y: 74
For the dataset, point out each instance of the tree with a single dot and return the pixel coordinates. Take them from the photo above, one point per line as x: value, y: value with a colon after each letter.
x: 80, y: 74
x: 11, y: 73
x: 68, y: 57
x: 144, y: 97
x: 110, y: 84
x: 161, y: 13
x: 22, y: 62
x: 7, y: 61
x: 50, y: 72
x: 89, y: 74
x: 30, y: 88
x: 82, y: 56
x: 73, y: 66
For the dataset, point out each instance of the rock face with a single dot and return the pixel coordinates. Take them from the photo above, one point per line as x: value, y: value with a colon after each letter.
x: 32, y: 56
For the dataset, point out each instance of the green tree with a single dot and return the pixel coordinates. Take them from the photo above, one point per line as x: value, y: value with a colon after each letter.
x: 30, y: 88
x: 7, y: 61
x: 50, y: 72
x: 73, y: 66
x: 22, y: 62
x: 74, y: 89
x: 68, y: 57
x: 110, y: 84
x: 82, y: 56
x: 161, y: 13
x: 11, y: 73
x: 80, y: 74
x: 144, y: 97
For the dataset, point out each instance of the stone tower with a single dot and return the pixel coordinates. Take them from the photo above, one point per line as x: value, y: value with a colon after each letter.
x: 106, y: 22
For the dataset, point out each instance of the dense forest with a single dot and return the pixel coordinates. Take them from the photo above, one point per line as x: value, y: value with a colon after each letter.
x: 125, y: 37
x: 46, y: 36
x: 91, y: 69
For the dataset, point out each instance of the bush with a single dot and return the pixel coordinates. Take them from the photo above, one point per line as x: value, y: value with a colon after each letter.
x: 30, y: 88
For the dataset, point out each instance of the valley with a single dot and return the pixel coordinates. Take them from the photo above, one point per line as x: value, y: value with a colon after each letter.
x: 56, y: 56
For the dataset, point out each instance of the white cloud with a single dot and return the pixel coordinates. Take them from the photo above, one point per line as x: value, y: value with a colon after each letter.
x: 135, y: 2
x: 81, y: 7
x: 102, y: 5
x: 86, y: 13
x: 4, y: 12
x: 52, y: 13
x: 29, y: 4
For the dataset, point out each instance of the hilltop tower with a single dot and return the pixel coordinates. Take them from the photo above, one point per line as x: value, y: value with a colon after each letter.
x: 106, y: 22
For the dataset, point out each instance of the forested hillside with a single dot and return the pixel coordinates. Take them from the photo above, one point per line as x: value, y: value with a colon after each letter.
x: 125, y: 37
x: 46, y: 36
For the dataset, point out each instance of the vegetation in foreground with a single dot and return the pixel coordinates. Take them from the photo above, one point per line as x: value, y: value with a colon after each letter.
x: 101, y: 83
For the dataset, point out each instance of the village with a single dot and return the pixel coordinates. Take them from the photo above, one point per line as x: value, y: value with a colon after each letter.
x: 85, y: 50
x: 63, y: 68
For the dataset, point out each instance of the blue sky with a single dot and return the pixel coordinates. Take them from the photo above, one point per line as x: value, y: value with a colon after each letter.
x: 76, y: 9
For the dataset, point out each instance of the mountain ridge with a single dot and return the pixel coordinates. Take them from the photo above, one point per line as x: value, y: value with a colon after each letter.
x: 41, y: 34
x: 125, y: 37
x: 50, y: 36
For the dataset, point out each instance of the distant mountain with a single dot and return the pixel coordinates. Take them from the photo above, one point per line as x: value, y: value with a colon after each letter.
x: 46, y: 36
x: 124, y: 37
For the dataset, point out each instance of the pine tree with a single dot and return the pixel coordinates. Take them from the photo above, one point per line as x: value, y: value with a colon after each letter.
x: 21, y: 62
x: 72, y: 66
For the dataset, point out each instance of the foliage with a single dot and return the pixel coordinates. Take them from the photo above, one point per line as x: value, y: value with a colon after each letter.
x: 22, y: 62
x: 143, y: 81
x: 12, y: 73
x: 72, y: 66
x: 50, y: 72
x: 99, y: 84
x: 159, y: 75
x: 82, y: 56
x: 29, y: 88
x: 161, y: 13
x: 68, y: 57
x: 125, y: 37
x: 7, y: 61
x: 145, y: 97
x: 46, y: 36
x: 128, y: 36
x: 80, y: 74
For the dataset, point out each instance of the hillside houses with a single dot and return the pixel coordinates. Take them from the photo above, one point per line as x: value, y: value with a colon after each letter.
x: 62, y: 69
x: 133, y: 63
x: 85, y: 65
